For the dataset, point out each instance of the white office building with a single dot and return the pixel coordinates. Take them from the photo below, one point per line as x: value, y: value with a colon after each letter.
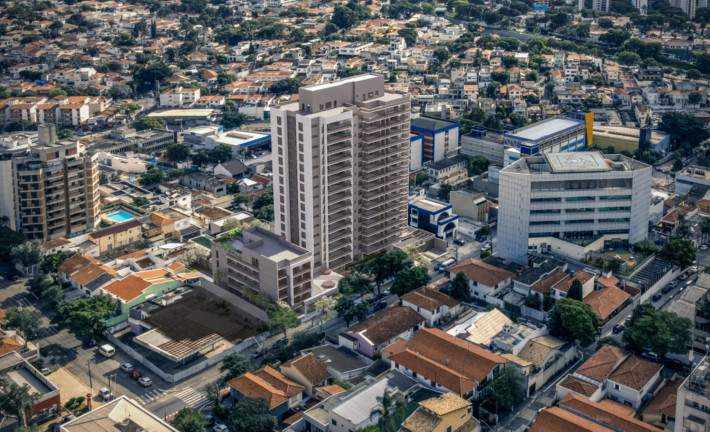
x: 692, y: 407
x: 571, y: 203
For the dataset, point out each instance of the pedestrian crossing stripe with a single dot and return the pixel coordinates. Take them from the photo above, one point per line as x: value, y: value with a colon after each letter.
x: 191, y: 397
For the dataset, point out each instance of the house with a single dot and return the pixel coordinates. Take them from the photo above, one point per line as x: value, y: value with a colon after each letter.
x: 15, y: 370
x: 350, y: 410
x: 341, y: 363
x: 444, y: 363
x: 450, y: 170
x: 484, y: 280
x: 607, y: 302
x: 178, y: 97
x: 614, y: 374
x: 578, y: 414
x: 203, y: 181
x: 233, y: 168
x: 279, y: 392
x: 369, y: 337
x: 117, y: 235
x: 120, y: 414
x: 541, y: 359
x: 434, y: 306
x: 307, y: 371
x: 446, y: 413
x: 661, y: 410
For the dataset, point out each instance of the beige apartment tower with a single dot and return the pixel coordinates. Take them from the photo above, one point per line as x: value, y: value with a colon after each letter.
x: 341, y: 159
x: 56, y: 186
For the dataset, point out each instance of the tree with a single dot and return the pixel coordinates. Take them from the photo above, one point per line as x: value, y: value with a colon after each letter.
x: 343, y: 17
x: 444, y: 191
x: 149, y: 123
x: 53, y: 294
x: 459, y: 287
x: 235, y: 365
x: 325, y: 305
x: 441, y: 55
x: 384, y: 266
x: 410, y: 279
x: 349, y: 310
x: 151, y: 177
x: 220, y: 153
x: 354, y: 283
x: 174, y: 173
x: 679, y: 251
x: 576, y: 292
x: 420, y: 178
x: 37, y: 284
x: 492, y: 89
x: 10, y: 239
x: 85, y: 317
x: 485, y: 230
x: 241, y: 198
x: 251, y: 415
x: 503, y: 392
x: 484, y: 254
x: 628, y: 58
x: 662, y: 331
x: 145, y: 77
x: 693, y: 74
x: 573, y: 320
x: 477, y: 165
x: 281, y: 319
x: 389, y: 411
x: 695, y: 98
x: 231, y: 117
x: 177, y: 152
x: 65, y: 134
x: 120, y: 91
x: 50, y: 262
x: 684, y: 127
x: 23, y: 319
x: 518, y: 120
x: 17, y: 401
x: 189, y: 420
x: 410, y: 36
x: 533, y: 301
x: 286, y: 86
x: 27, y: 253
x: 605, y: 23
x: 193, y: 257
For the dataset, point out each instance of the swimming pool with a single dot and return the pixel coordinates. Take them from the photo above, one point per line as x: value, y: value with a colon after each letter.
x: 120, y: 216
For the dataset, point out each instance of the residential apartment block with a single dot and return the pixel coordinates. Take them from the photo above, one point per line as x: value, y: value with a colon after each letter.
x: 55, y: 189
x: 569, y: 201
x: 341, y: 157
x: 692, y: 409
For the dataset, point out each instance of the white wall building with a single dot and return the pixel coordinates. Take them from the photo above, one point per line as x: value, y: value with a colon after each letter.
x: 576, y: 196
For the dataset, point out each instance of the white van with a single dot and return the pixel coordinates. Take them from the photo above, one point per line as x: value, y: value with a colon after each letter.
x: 107, y: 350
x: 105, y: 394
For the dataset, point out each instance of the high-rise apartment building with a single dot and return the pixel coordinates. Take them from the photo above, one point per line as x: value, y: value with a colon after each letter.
x: 601, y: 5
x: 55, y: 186
x: 692, y: 406
x: 687, y: 6
x: 341, y: 158
x: 567, y: 202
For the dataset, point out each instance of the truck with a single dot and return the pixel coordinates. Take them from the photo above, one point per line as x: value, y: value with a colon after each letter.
x: 445, y: 264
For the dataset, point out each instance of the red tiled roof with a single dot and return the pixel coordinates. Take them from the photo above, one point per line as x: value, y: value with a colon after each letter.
x: 267, y: 384
x: 602, y: 363
x: 481, y: 272
x: 635, y: 372
x: 115, y: 229
x: 606, y: 300
x: 127, y: 288
x: 310, y: 367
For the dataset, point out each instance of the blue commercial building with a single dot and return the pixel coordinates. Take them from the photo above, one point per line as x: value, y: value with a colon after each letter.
x: 440, y: 138
x: 555, y: 135
x: 434, y: 217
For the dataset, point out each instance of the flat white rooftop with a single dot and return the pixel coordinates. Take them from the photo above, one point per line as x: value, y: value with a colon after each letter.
x: 577, y: 162
x: 356, y: 78
x: 545, y: 128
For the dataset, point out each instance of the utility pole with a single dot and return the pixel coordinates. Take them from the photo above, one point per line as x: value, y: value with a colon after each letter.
x: 91, y: 382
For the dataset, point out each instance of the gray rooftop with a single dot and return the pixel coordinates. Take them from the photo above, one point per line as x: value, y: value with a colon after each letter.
x: 340, y: 360
x: 431, y: 123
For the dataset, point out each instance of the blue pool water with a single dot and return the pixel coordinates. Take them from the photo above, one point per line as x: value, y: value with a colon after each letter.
x: 120, y: 216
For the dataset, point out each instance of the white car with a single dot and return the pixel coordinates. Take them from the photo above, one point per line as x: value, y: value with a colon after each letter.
x: 145, y: 381
x: 127, y: 367
x: 486, y: 247
x: 703, y: 247
x: 220, y: 428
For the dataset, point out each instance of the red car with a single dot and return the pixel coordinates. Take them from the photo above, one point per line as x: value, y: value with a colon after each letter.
x: 135, y: 374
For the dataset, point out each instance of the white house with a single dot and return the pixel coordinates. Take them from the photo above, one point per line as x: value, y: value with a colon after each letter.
x: 484, y: 279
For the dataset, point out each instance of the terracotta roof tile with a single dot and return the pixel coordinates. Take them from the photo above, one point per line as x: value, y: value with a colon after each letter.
x: 332, y: 389
x: 606, y: 300
x: 387, y: 324
x: 556, y: 419
x: 635, y: 372
x: 87, y: 274
x: 8, y: 343
x: 578, y: 386
x: 429, y: 299
x: 115, y: 229
x: 73, y: 264
x: 602, y: 363
x: 481, y: 272
x: 127, y: 288
x: 608, y: 413
x: 665, y: 400
x: 310, y: 367
x: 268, y: 384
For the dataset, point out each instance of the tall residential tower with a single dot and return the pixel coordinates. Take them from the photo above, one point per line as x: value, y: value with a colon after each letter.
x: 341, y: 159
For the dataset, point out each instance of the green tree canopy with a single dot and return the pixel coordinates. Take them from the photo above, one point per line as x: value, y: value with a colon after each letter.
x: 354, y: 283
x: 18, y: 400
x: 661, y: 331
x: 189, y: 420
x: 348, y: 309
x: 384, y: 266
x: 285, y: 86
x: 27, y: 253
x: 410, y: 279
x: 221, y: 153
x: 24, y: 319
x: 503, y: 392
x: 573, y: 320
x: 85, y: 317
x: 576, y: 291
x: 444, y: 191
x: 684, y: 127
x: 145, y: 77
x: 420, y: 178
x: 251, y: 415
x: 149, y: 123
x: 151, y: 177
x: 234, y: 365
x: 120, y: 91
x: 177, y: 152
x: 477, y: 165
x: 679, y: 251
x: 459, y: 287
x: 281, y: 319
x: 50, y: 262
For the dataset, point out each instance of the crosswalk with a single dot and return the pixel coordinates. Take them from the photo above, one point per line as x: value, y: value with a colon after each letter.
x: 152, y: 395
x: 192, y: 398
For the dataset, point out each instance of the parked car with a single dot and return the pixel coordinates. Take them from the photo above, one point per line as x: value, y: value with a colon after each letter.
x: 690, y: 272
x: 674, y: 364
x: 486, y: 246
x: 127, y: 367
x: 379, y: 306
x: 618, y: 328
x: 105, y: 394
x: 90, y: 343
x: 650, y: 355
x: 683, y: 276
x: 145, y: 381
x: 278, y: 343
x: 258, y: 354
x: 135, y: 374
x: 46, y: 371
x: 703, y: 247
x: 220, y: 428
x: 68, y: 418
x: 656, y: 297
x: 459, y: 241
x: 666, y: 289
x: 673, y: 283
